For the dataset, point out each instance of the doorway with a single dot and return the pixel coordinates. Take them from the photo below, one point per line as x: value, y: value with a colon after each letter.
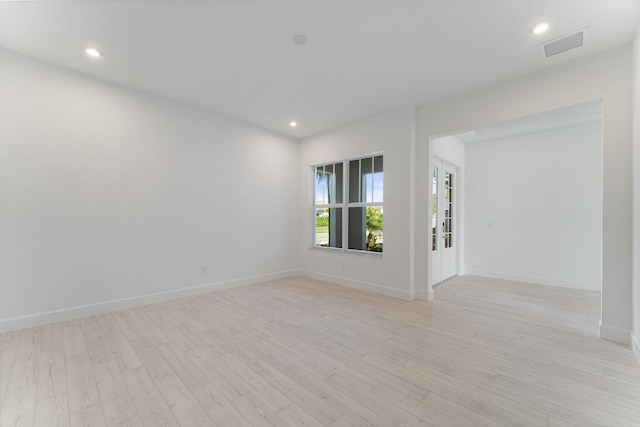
x: 525, y: 200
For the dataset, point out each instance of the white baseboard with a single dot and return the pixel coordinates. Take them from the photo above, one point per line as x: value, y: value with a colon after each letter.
x: 38, y: 319
x: 635, y: 346
x: 422, y: 294
x: 356, y: 284
x: 425, y: 295
x: 614, y: 334
x: 536, y: 280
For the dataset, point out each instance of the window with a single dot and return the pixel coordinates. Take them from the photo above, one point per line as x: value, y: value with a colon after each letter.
x: 365, y: 204
x: 355, y: 199
x: 328, y: 189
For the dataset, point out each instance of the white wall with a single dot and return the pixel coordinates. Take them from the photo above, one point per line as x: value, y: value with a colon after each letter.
x: 605, y: 76
x: 107, y: 193
x: 451, y: 149
x: 534, y: 207
x: 636, y: 195
x: 390, y: 133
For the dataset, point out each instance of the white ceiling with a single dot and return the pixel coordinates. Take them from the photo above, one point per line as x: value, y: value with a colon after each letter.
x: 236, y: 57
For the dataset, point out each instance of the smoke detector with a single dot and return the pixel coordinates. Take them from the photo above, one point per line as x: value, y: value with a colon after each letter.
x: 564, y: 43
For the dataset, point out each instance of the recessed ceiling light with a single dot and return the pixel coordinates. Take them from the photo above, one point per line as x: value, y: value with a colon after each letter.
x: 540, y: 27
x: 300, y: 39
x: 293, y: 124
x: 93, y: 52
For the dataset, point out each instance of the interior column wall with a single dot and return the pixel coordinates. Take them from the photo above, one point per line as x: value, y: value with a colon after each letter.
x: 636, y: 195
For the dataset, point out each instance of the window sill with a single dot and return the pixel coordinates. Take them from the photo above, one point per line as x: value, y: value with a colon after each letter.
x: 370, y: 254
x: 355, y: 252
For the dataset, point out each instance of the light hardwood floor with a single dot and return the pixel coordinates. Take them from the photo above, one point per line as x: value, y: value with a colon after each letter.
x: 303, y: 352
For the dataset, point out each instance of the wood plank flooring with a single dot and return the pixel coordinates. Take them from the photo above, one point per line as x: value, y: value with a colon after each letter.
x: 298, y: 351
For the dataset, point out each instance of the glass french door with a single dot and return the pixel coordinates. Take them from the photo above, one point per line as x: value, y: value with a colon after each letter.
x: 443, y: 222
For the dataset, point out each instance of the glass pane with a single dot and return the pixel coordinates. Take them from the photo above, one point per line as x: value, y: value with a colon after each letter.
x: 377, y: 164
x: 338, y: 183
x: 329, y: 192
x: 375, y: 219
x: 328, y: 228
x: 378, y: 180
x: 366, y: 228
x: 357, y: 228
x: 354, y: 181
x: 318, y: 185
x: 378, y: 187
x: 366, y: 171
x: 328, y: 184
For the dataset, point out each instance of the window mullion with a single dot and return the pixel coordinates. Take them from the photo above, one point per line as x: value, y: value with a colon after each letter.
x: 329, y: 206
x: 373, y: 172
x: 324, y: 186
x: 364, y: 204
x: 359, y: 180
x: 346, y: 174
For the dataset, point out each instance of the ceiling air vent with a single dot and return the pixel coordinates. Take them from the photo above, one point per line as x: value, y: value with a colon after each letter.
x: 564, y: 43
